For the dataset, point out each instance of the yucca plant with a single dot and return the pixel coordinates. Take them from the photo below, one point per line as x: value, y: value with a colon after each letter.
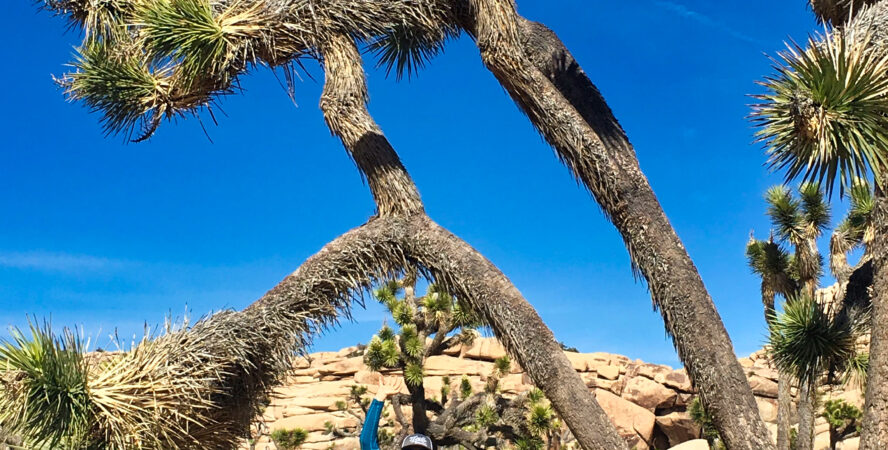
x: 807, y: 339
x: 856, y: 230
x: 824, y: 118
x: 44, y: 389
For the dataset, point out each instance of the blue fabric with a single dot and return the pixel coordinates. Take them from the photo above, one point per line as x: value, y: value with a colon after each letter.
x: 371, y: 424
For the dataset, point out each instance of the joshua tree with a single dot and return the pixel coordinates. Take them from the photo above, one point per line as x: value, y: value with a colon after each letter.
x: 855, y: 231
x: 806, y: 341
x: 776, y: 268
x: 800, y: 222
x: 825, y: 117
x: 427, y: 324
x: 774, y: 265
x: 144, y: 61
x: 843, y: 420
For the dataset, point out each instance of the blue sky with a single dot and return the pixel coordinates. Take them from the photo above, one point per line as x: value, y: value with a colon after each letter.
x: 104, y: 235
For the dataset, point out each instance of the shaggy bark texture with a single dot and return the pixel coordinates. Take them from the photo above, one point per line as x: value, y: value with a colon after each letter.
x: 453, y: 263
x: 784, y: 410
x: 594, y: 147
x: 343, y: 103
x: 805, y: 440
x: 874, y: 434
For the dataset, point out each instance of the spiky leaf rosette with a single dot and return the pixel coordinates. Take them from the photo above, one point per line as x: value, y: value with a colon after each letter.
x: 502, y: 365
x: 44, y: 393
x: 119, y: 84
x: 465, y: 387
x: 825, y: 115
x: 774, y: 264
x: 540, y: 419
x: 204, y: 43
x: 854, y: 370
x: 98, y: 19
x: 413, y: 374
x: 406, y: 49
x: 806, y: 340
x: 486, y: 416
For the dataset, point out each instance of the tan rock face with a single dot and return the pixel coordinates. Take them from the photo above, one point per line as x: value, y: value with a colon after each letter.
x: 678, y: 427
x: 634, y: 423
x: 648, y: 393
x: 449, y: 365
x: 763, y: 387
x: 632, y: 393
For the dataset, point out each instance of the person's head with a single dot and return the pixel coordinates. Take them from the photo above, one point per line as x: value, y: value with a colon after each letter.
x: 417, y: 442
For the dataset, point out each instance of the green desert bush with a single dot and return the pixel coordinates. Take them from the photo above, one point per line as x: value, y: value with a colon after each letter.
x: 289, y: 439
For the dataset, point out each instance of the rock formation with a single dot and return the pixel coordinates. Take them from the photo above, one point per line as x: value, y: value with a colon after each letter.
x: 646, y: 402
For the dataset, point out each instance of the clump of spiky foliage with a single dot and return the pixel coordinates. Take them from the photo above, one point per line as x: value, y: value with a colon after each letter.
x: 196, y: 49
x: 854, y: 231
x: 843, y: 419
x: 44, y: 391
x: 289, y: 439
x: 807, y: 339
x: 825, y: 115
x: 405, y: 50
x: 435, y: 316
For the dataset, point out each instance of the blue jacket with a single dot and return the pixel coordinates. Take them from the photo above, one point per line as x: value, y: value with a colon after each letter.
x: 369, y: 440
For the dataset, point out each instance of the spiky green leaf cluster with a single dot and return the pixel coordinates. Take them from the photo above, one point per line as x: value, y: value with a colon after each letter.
x: 797, y: 219
x: 186, y: 31
x: 841, y: 414
x: 806, y: 340
x: 503, y: 365
x: 486, y: 416
x: 120, y: 85
x: 413, y: 344
x: 702, y: 418
x: 769, y: 260
x: 854, y: 370
x: 413, y: 374
x: 825, y: 115
x: 465, y: 387
x: 406, y: 50
x: 535, y: 396
x: 289, y: 438
x: 856, y: 228
x: 541, y: 419
x: 529, y: 443
x: 44, y: 395
x: 382, y: 352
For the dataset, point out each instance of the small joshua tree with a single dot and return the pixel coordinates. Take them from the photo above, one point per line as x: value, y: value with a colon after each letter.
x: 428, y: 325
x: 843, y: 419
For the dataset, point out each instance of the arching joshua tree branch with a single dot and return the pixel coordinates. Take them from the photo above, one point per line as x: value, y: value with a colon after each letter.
x: 612, y: 174
x: 456, y: 265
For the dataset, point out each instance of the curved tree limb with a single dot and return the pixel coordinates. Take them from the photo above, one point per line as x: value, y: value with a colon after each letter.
x: 456, y: 265
x: 612, y: 174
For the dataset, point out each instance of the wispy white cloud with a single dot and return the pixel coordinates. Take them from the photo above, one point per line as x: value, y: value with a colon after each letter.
x: 703, y: 19
x: 58, y: 262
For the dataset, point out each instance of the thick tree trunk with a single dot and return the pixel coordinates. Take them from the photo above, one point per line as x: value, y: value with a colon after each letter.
x: 807, y: 400
x: 454, y: 263
x: 420, y: 420
x: 611, y: 173
x: 784, y: 410
x: 874, y: 433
